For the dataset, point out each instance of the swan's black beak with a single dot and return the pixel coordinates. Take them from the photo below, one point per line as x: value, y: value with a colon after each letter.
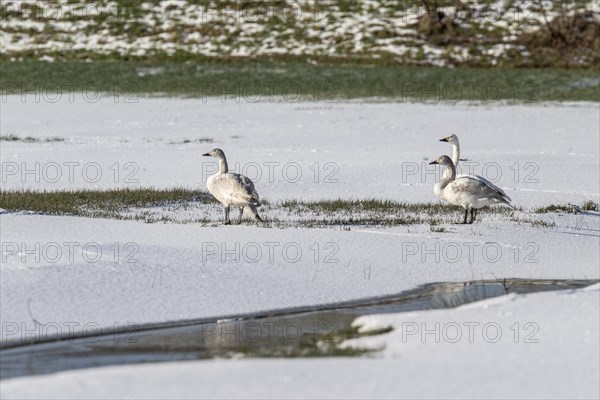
x: 434, y: 162
x: 206, y: 155
x: 444, y: 140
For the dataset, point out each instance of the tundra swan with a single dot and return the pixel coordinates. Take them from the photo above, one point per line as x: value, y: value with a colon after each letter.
x: 453, y: 140
x: 232, y: 189
x: 466, y: 191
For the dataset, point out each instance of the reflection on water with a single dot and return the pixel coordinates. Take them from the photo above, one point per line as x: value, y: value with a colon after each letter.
x: 305, y: 334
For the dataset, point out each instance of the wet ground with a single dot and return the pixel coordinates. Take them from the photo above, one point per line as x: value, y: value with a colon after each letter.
x: 305, y: 333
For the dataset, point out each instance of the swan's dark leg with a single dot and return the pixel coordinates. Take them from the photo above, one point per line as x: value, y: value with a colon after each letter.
x: 473, y: 211
x: 241, y: 215
x: 466, y: 215
x: 227, y: 221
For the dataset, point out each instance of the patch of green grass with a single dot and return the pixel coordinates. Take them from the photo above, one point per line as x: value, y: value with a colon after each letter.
x: 54, y: 139
x: 15, y: 138
x: 294, y: 81
x: 366, y: 212
x: 10, y: 138
x: 568, y: 208
x: 369, y: 212
x: 30, y: 139
x: 174, y: 205
x: 543, y: 224
x: 536, y: 223
x: 554, y: 208
x: 188, y: 141
x: 95, y: 203
x: 589, y: 206
x: 367, y: 205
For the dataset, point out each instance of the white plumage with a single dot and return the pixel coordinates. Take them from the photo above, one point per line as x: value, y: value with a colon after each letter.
x: 232, y: 189
x: 453, y: 140
x: 466, y: 191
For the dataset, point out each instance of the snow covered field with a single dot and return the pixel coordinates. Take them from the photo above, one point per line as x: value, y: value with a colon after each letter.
x: 541, y: 154
x: 535, y: 346
x: 67, y: 274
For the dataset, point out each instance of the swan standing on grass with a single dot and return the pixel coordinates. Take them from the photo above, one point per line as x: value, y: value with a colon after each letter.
x: 232, y: 189
x: 466, y: 191
x: 453, y: 140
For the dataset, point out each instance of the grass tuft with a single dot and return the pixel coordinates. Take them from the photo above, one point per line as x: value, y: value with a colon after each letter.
x: 188, y: 141
x: 554, y: 208
x: 567, y: 208
x: 589, y: 206
x: 30, y: 139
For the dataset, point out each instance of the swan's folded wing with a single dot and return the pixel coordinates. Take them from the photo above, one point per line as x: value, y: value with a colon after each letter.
x: 248, y: 186
x: 472, y: 186
x: 238, y: 187
x: 488, y: 183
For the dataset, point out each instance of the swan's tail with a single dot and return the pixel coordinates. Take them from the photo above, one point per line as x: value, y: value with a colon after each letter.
x: 251, y: 209
x: 506, y: 202
x: 503, y: 200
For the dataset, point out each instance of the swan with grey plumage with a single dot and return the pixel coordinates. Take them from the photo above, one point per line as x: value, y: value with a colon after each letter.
x: 466, y: 191
x: 453, y: 140
x: 232, y: 189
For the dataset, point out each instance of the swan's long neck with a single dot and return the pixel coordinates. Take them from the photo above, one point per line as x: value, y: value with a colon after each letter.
x: 455, y: 153
x: 455, y: 158
x: 449, y: 176
x: 223, y: 169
